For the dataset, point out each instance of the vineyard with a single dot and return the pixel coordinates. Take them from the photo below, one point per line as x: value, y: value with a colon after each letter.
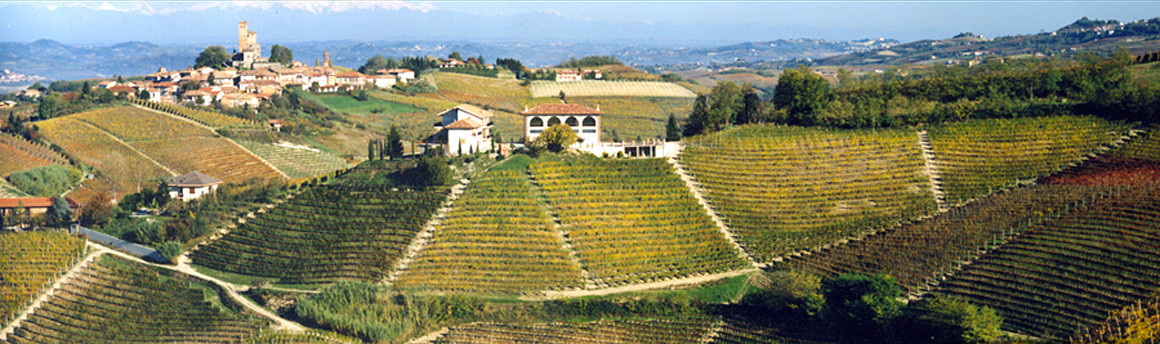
x: 1136, y: 323
x: 93, y: 307
x: 20, y: 154
x: 296, y: 162
x: 181, y: 146
x: 1108, y: 170
x: 981, y: 156
x: 213, y: 156
x: 497, y: 238
x: 594, y: 88
x: 29, y: 262
x: 916, y: 254
x: 1146, y: 146
x: 1071, y: 272
x: 119, y: 168
x: 325, y: 234
x: 641, y: 331
x: 207, y: 118
x: 309, y: 337
x: 633, y: 220
x: 784, y: 189
x: 632, y: 117
x: 691, y: 330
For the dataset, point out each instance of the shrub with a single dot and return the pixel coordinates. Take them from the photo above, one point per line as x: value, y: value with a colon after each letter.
x: 170, y: 250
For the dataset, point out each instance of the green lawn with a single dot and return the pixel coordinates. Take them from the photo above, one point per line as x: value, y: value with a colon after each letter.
x: 348, y: 104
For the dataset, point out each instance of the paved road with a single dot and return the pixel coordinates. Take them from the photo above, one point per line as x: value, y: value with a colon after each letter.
x: 114, y: 242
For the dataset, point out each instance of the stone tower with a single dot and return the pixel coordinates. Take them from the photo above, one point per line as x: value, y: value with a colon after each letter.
x: 248, y: 42
x: 326, y: 59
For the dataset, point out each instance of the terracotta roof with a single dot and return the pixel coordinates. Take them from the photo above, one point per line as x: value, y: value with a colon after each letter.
x: 471, y: 109
x: 32, y: 202
x: 561, y: 109
x: 193, y: 179
x: 399, y: 70
x: 122, y: 88
x: 351, y: 75
x: 466, y: 123
x: 274, y: 121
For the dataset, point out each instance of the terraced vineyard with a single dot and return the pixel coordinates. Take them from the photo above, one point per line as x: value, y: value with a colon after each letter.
x: 93, y: 307
x: 980, y: 156
x: 783, y: 189
x: 631, y: 117
x: 325, y: 234
x: 207, y: 118
x: 1147, y: 146
x: 633, y: 220
x: 1072, y: 272
x: 498, y: 238
x: 915, y: 254
x: 1132, y: 324
x: 296, y: 162
x: 20, y: 154
x: 119, y: 168
x: 642, y: 331
x: 29, y: 262
x: 309, y: 337
x: 599, y: 88
x: 497, y: 93
x: 181, y: 146
x: 212, y: 156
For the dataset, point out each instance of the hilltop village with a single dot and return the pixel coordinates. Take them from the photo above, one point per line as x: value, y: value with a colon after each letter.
x: 255, y: 198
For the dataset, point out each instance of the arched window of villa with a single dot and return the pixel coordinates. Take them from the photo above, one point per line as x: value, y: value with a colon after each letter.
x: 537, y: 122
x: 589, y: 121
x: 553, y: 121
x: 572, y: 122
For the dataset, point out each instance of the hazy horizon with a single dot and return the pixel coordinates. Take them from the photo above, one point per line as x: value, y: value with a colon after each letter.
x: 646, y: 23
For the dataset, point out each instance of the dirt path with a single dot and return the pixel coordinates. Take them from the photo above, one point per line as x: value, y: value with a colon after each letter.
x: 696, y: 190
x: 424, y: 235
x: 430, y: 338
x: 211, y: 129
x: 231, y: 290
x: 553, y: 295
x: 134, y: 149
x: 48, y: 294
x: 931, y: 170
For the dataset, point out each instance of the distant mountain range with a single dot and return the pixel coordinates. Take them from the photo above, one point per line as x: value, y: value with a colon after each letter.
x: 1084, y: 35
x: 60, y: 61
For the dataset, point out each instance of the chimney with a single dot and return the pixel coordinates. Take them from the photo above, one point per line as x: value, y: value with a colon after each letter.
x: 597, y: 106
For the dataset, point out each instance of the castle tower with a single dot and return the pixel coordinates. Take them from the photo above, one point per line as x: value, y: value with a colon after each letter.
x: 248, y: 41
x: 326, y: 59
x: 243, y: 30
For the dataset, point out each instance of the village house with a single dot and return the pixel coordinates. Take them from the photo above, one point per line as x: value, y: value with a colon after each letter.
x: 106, y: 84
x: 275, y: 124
x: 463, y: 129
x: 7, y: 104
x: 567, y: 75
x: 593, y: 74
x: 382, y: 80
x: 32, y: 205
x: 128, y: 91
x: 354, y: 80
x: 30, y: 94
x: 452, y: 63
x: 191, y: 186
x: 239, y: 99
x: 585, y: 121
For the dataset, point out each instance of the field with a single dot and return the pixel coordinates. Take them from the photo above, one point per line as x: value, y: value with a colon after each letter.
x: 498, y: 238
x: 981, y: 156
x: 29, y: 262
x: 632, y: 117
x: 349, y: 105
x: 690, y: 330
x: 917, y: 254
x: 595, y: 88
x: 1073, y: 271
x: 633, y: 220
x: 1146, y: 146
x: 325, y: 234
x: 20, y: 154
x: 93, y: 307
x: 119, y: 169
x: 783, y: 190
x: 296, y: 162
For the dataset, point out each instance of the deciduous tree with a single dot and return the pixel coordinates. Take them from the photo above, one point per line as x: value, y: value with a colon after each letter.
x: 213, y: 57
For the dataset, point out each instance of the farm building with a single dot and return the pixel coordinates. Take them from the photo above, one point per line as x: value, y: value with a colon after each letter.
x: 585, y: 121
x: 567, y: 75
x: 33, y: 205
x: 464, y: 129
x: 191, y: 186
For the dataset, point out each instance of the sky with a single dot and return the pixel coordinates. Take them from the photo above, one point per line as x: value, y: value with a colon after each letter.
x: 661, y: 23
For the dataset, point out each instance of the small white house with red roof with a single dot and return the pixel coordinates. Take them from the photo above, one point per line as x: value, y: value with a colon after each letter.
x: 567, y: 75
x: 192, y: 186
x: 464, y: 129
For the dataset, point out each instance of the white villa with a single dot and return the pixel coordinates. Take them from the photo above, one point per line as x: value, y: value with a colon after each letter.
x: 585, y: 121
x: 191, y: 186
x: 464, y: 129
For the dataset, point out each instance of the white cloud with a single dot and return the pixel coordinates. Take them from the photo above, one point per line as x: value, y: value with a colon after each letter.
x: 361, y: 5
x: 166, y: 8
x: 552, y: 12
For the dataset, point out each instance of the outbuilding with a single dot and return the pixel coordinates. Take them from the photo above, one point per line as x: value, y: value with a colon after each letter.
x: 191, y: 186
